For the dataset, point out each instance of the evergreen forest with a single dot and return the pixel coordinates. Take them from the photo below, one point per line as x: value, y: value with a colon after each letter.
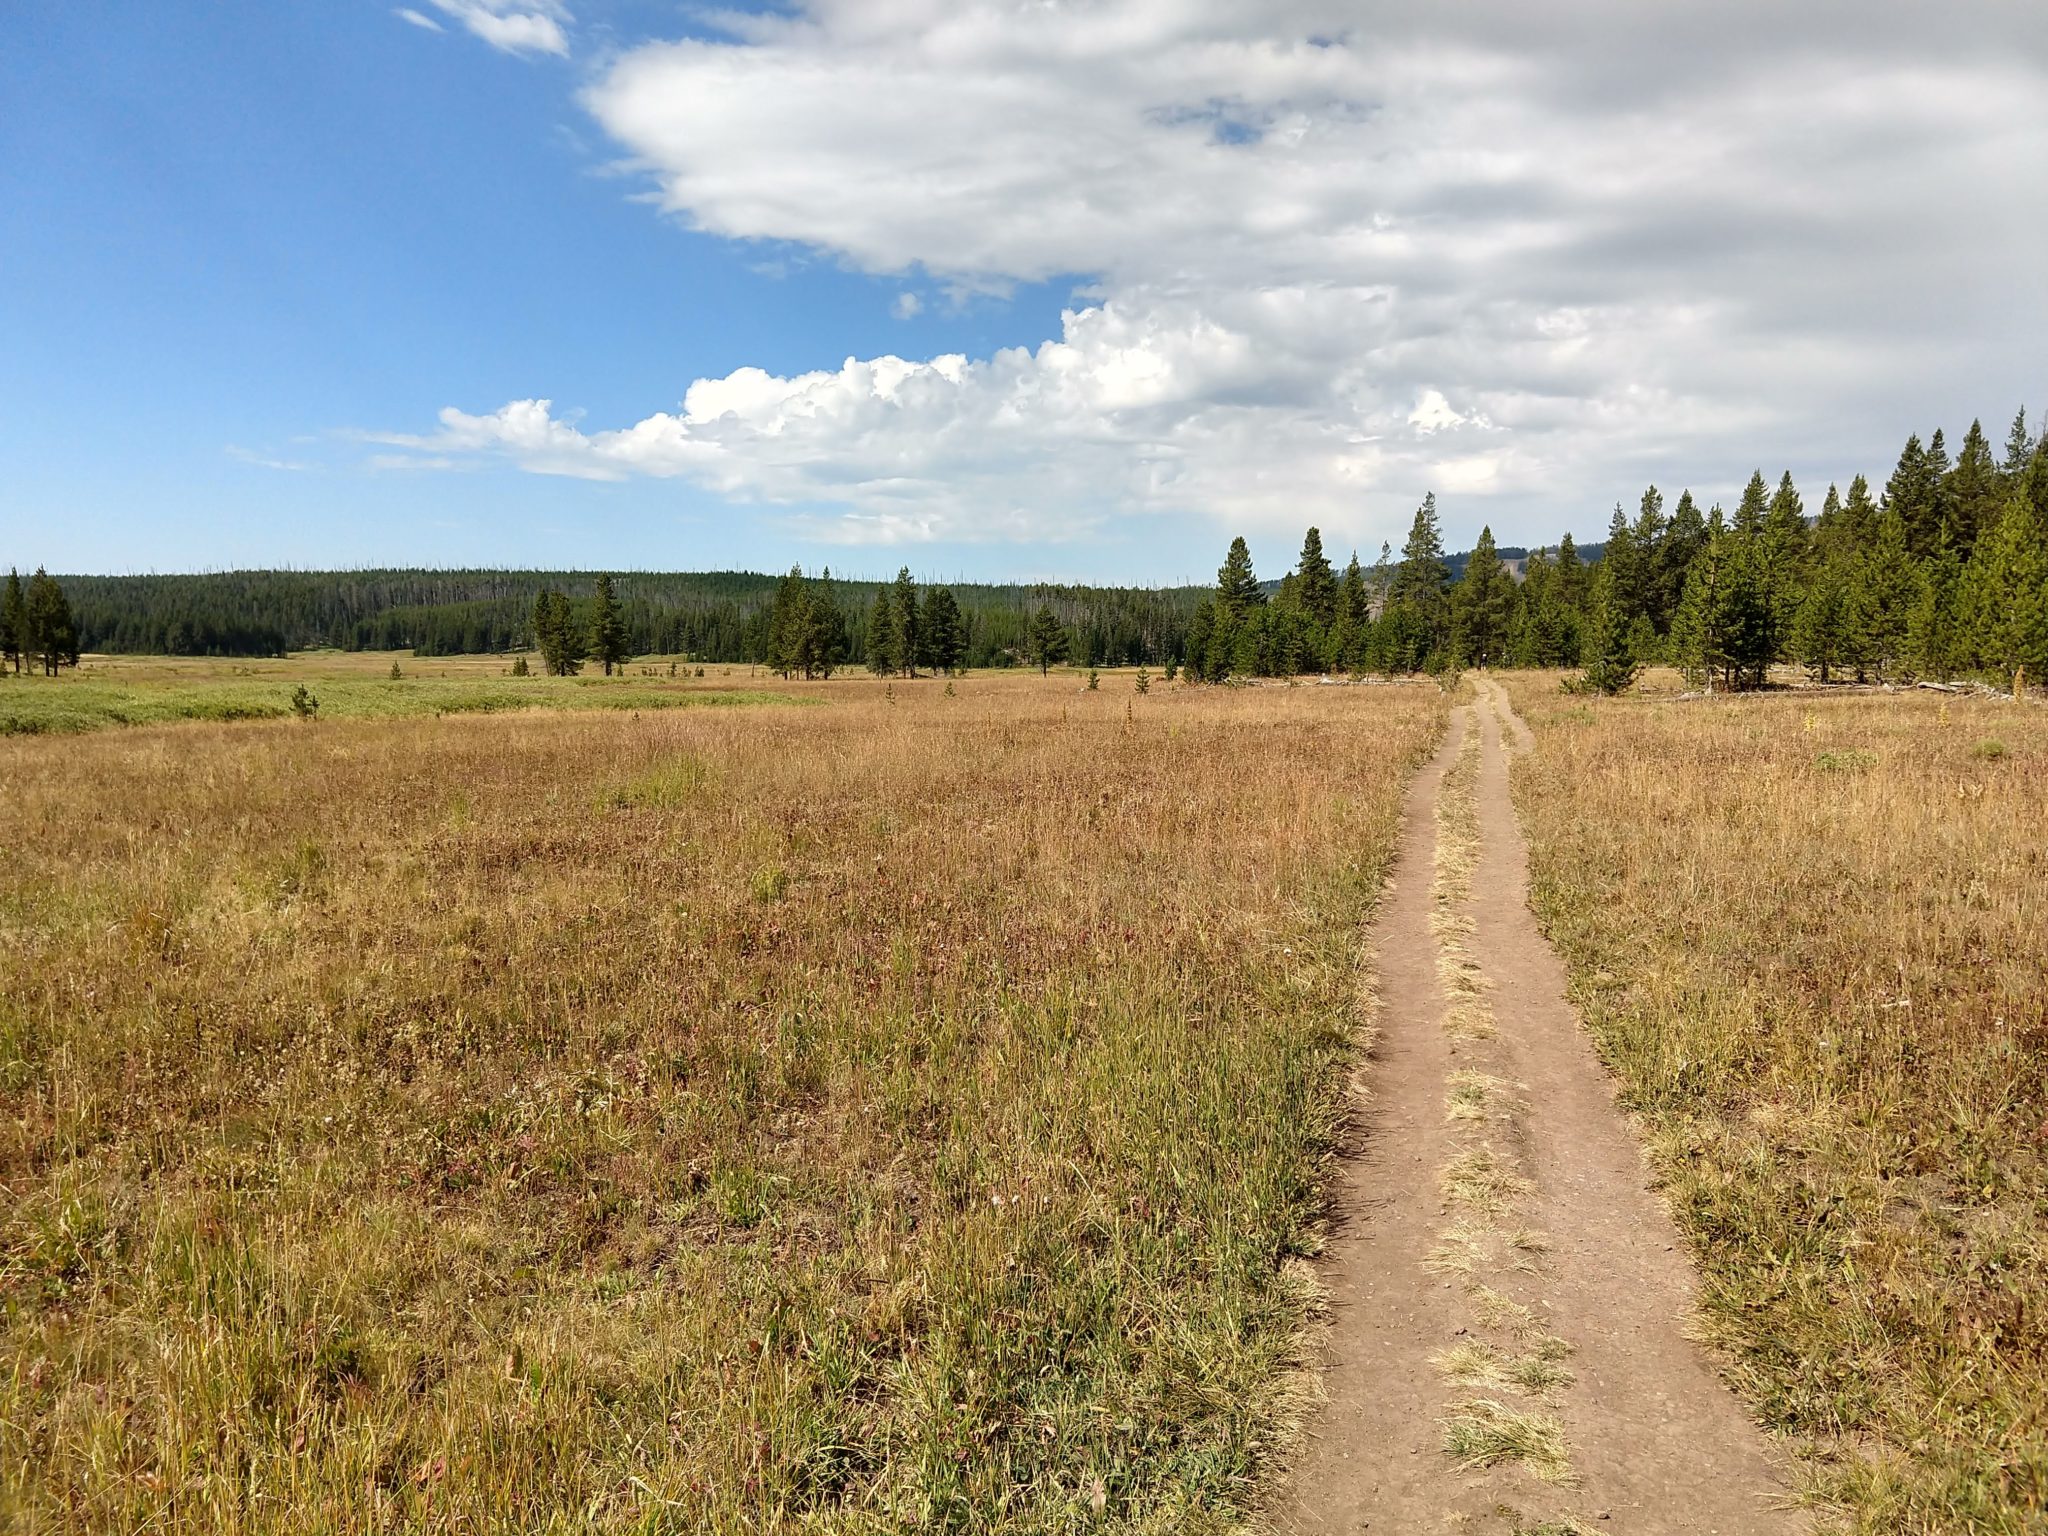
x: 1940, y: 572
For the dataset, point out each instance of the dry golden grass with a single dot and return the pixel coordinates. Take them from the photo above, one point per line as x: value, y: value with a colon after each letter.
x: 871, y: 1117
x: 1811, y: 935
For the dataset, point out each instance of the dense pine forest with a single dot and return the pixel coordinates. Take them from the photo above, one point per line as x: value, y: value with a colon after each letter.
x: 708, y: 616
x: 1941, y: 572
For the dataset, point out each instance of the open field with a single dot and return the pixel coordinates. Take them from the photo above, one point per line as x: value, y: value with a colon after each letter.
x: 906, y: 1113
x: 148, y: 690
x: 1808, y: 933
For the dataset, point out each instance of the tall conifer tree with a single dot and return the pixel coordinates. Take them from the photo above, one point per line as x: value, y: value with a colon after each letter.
x: 1420, y: 598
x: 1484, y: 604
x: 1237, y: 588
x: 1315, y: 583
x: 608, y: 640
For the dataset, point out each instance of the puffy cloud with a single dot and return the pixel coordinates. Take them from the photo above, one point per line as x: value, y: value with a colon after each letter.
x: 512, y: 26
x: 907, y: 306
x: 1336, y: 259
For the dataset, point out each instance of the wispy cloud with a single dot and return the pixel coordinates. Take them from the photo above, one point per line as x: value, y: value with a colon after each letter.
x: 408, y: 461
x: 511, y: 26
x: 405, y: 14
x: 262, y: 461
x: 907, y: 306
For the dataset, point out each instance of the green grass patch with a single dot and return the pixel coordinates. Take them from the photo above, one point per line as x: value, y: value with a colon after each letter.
x: 41, y: 707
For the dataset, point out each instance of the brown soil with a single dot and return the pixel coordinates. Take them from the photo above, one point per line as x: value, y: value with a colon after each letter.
x: 1655, y: 1442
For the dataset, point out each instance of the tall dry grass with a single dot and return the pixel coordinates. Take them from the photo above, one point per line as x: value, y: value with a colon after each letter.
x: 899, y: 1114
x: 1811, y: 935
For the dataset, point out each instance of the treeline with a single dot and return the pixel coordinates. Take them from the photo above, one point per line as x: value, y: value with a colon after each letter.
x: 1408, y: 616
x: 718, y: 616
x: 1944, y: 573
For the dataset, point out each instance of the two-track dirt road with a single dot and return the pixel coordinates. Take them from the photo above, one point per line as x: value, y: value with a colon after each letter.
x: 1508, y: 1295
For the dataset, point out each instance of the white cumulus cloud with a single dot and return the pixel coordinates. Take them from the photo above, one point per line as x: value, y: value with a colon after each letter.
x: 1334, y: 258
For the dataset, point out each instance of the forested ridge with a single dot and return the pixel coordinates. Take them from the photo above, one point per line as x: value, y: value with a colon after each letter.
x: 1941, y: 571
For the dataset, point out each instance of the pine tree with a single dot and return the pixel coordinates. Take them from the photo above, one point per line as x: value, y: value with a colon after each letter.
x: 1781, y: 569
x: 782, y: 645
x: 1316, y: 582
x: 882, y: 635
x: 823, y: 645
x: 1911, y: 494
x: 1827, y: 528
x: 1859, y: 516
x: 1743, y: 619
x: 1200, y: 639
x: 560, y: 639
x: 1621, y: 573
x: 1483, y: 604
x: 1611, y: 659
x: 1421, y: 591
x: 1293, y: 634
x: 1699, y: 639
x: 1537, y: 634
x: 608, y: 641
x: 1237, y: 588
x: 1354, y: 614
x: 1974, y: 496
x: 1884, y: 603
x: 1749, y: 512
x: 1937, y: 473
x: 2019, y: 449
x: 1684, y: 538
x: 1933, y: 640
x: 903, y: 615
x: 2006, y: 609
x: 1821, y: 634
x: 48, y: 632
x: 1648, y: 534
x: 1572, y: 592
x: 942, y: 631
x: 1046, y: 642
x: 13, y: 623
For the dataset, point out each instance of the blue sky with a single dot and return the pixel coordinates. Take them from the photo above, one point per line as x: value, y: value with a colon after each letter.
x: 250, y: 254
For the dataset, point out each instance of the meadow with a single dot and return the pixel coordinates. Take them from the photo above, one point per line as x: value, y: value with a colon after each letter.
x: 906, y: 1113
x: 107, y: 691
x: 1808, y: 933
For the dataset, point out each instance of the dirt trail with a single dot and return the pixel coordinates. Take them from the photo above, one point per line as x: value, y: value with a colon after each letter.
x: 1501, y: 1276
